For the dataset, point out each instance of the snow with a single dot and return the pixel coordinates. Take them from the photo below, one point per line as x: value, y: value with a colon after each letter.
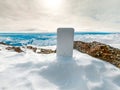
x: 32, y: 71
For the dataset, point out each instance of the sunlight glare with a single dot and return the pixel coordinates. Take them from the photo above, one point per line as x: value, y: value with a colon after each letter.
x: 52, y: 4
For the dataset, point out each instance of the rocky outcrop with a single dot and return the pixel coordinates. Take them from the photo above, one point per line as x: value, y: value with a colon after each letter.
x: 17, y: 49
x: 47, y: 51
x: 34, y: 49
x: 95, y: 49
x: 99, y: 50
x: 41, y: 50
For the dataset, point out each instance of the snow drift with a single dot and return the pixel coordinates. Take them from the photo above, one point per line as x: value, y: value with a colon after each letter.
x: 31, y: 71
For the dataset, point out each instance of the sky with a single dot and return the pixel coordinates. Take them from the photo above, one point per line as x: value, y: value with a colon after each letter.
x: 48, y: 15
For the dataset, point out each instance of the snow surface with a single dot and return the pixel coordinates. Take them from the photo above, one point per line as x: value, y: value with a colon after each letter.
x: 31, y: 71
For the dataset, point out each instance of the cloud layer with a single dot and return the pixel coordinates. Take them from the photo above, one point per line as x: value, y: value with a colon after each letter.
x: 84, y: 15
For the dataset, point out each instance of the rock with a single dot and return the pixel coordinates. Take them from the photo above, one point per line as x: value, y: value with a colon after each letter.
x: 9, y: 48
x: 99, y: 50
x: 2, y: 43
x: 32, y: 48
x: 40, y: 50
x: 17, y: 49
x: 47, y: 51
x: 81, y: 46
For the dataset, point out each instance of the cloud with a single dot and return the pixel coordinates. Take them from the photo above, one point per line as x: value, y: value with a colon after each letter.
x: 92, y: 15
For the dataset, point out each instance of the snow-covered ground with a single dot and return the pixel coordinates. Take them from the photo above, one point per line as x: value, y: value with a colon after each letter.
x: 32, y: 71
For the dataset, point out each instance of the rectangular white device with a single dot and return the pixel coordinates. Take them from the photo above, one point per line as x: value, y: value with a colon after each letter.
x: 65, y: 38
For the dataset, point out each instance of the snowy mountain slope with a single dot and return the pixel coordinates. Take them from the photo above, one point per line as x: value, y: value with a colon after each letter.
x: 31, y: 71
